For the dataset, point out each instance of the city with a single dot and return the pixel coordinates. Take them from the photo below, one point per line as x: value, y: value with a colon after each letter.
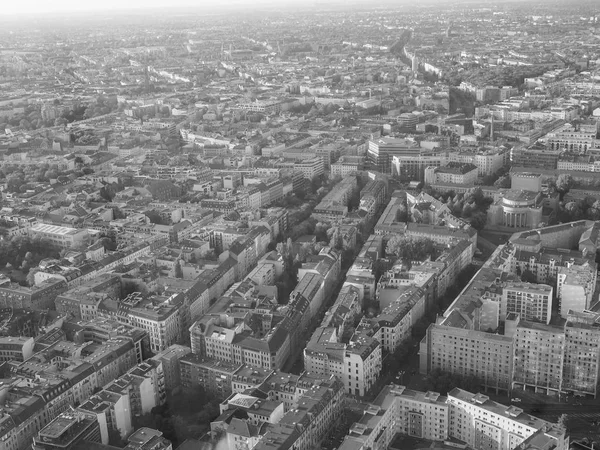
x: 324, y: 225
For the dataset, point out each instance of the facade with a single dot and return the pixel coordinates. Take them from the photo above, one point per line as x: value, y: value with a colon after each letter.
x: 39, y: 297
x: 357, y: 364
x: 538, y: 357
x: 347, y: 165
x: 532, y: 302
x: 161, y: 318
x: 462, y: 417
x: 63, y: 237
x: 484, y: 424
x: 213, y: 375
x: 381, y: 151
x: 517, y: 209
x: 575, y: 287
x: 16, y: 348
x: 452, y: 173
x: 581, y: 370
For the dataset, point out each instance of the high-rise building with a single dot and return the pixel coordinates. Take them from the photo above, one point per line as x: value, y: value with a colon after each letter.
x: 581, y: 370
x: 538, y: 357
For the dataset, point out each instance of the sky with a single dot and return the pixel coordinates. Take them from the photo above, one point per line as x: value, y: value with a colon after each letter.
x: 60, y: 6
x: 20, y: 7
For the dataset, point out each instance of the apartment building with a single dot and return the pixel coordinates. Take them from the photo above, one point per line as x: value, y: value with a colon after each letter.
x: 311, y: 287
x: 581, y: 370
x: 215, y: 376
x: 40, y: 391
x: 38, y: 297
x: 468, y: 353
x: 160, y: 317
x: 392, y: 326
x: 221, y: 336
x: 533, y: 302
x: 310, y: 168
x: 112, y: 411
x: 305, y: 426
x: 452, y: 173
x: 389, y: 222
x: 467, y: 341
x: 471, y: 419
x: 16, y: 348
x: 347, y: 165
x: 357, y: 364
x: 575, y: 286
x: 335, y: 203
x: 485, y: 424
x: 538, y: 357
x: 145, y: 386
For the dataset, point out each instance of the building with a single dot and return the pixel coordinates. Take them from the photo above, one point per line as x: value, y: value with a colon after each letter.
x: 575, y: 286
x: 171, y: 363
x: 16, y: 348
x: 335, y: 204
x: 347, y: 165
x: 215, y: 376
x: 63, y: 237
x: 461, y: 419
x: 452, y: 173
x: 356, y: 364
x: 518, y: 209
x: 312, y: 418
x: 161, y: 317
x: 532, y: 302
x: 485, y: 424
x: 484, y: 334
x: 38, y: 297
x: 534, y: 158
x: 381, y: 151
x: 538, y: 357
x: 581, y: 370
x: 67, y: 431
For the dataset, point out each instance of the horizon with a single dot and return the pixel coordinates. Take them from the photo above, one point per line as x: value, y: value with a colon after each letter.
x: 28, y: 8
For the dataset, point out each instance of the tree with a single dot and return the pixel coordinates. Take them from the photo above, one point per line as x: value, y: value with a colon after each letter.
x: 478, y: 220
x: 154, y: 217
x: 178, y: 269
x: 31, y: 276
x: 114, y: 438
x: 565, y: 421
x: 528, y: 277
x: 564, y: 183
x: 574, y: 210
x: 503, y: 182
x: 409, y: 249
